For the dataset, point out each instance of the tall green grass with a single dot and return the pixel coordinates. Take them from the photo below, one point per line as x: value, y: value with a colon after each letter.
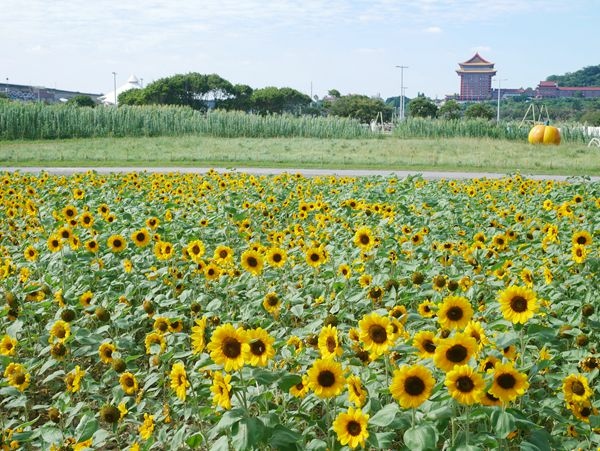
x: 477, y: 128
x: 31, y: 121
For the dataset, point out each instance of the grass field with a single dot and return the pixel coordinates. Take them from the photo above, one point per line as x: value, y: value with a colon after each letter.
x: 458, y: 154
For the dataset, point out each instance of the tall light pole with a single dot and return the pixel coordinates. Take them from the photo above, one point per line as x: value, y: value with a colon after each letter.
x: 401, y: 115
x: 115, y: 86
x: 498, y: 109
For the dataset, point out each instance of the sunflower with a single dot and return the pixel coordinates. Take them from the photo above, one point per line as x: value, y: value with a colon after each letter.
x: 455, y: 312
x: 221, y: 390
x: 147, y: 427
x: 579, y: 253
x: 508, y: 383
x: 163, y: 250
x: 212, y: 272
x: 59, y: 331
x: 152, y: 223
x: 8, y: 345
x: 411, y: 385
x: 464, y: 384
x: 583, y: 410
x: 272, y: 303
x: 589, y: 364
x: 30, y: 253
x: 69, y: 212
x: 54, y: 243
x: 195, y: 249
x: 315, y: 256
x: 228, y: 346
x: 425, y: 342
x: 363, y: 238
x: 116, y: 243
x: 329, y: 344
x: 376, y: 332
x: 179, y: 382
x: 517, y: 304
x: 223, y: 255
x: 73, y: 379
x: 155, y: 343
x: 452, y: 351
x: 576, y: 388
x: 260, y: 349
x: 252, y: 261
x: 582, y: 238
x: 17, y: 376
x: 92, y: 246
x: 198, y: 335
x: 86, y: 219
x: 276, y: 257
x: 326, y: 378
x: 344, y: 270
x: 356, y: 392
x: 300, y: 390
x: 365, y: 280
x: 129, y: 383
x: 426, y: 309
x: 106, y: 350
x: 476, y: 330
x: 487, y: 365
x: 140, y: 237
x: 86, y: 299
x: 351, y: 427
x: 65, y: 233
x: 161, y: 324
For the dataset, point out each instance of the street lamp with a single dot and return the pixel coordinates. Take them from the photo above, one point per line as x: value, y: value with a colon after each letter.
x: 401, y: 115
x: 115, y: 86
x: 499, y: 80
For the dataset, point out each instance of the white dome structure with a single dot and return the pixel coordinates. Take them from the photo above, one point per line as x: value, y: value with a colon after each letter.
x: 112, y: 97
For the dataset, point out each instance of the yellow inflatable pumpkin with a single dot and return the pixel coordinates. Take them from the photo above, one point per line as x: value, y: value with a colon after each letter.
x: 544, y: 134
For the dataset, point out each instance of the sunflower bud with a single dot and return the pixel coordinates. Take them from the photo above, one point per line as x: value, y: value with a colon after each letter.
x: 330, y: 320
x: 452, y: 285
x: 148, y: 307
x: 102, y: 314
x: 582, y: 340
x: 54, y: 414
x: 109, y: 414
x: 11, y: 299
x: 119, y: 365
x: 587, y: 310
x: 196, y: 307
x: 418, y: 278
x: 67, y: 315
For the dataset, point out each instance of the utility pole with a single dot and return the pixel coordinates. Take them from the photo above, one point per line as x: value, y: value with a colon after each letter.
x: 498, y: 109
x: 401, y: 114
x: 115, y: 86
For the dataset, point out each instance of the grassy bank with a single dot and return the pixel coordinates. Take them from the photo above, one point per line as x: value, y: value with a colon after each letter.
x: 458, y: 154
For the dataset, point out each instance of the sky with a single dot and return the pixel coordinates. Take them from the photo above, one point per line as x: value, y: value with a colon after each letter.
x: 309, y: 45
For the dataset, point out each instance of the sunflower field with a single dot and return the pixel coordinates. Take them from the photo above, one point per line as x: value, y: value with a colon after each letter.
x: 231, y: 311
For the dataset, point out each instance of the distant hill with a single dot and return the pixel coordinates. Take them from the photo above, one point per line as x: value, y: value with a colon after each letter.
x: 588, y: 76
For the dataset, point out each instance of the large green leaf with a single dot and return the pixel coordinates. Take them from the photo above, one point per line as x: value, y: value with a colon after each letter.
x: 423, y: 437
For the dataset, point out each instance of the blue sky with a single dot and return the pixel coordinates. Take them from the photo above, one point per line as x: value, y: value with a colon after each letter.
x: 352, y: 46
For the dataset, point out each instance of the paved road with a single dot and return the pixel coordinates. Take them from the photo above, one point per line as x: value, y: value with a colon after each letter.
x: 431, y: 175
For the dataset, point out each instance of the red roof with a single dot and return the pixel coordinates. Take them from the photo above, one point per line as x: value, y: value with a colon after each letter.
x: 477, y: 59
x: 580, y: 88
x: 548, y: 84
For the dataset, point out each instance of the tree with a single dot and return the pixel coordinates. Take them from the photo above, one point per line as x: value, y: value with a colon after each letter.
x: 81, y: 100
x: 360, y: 107
x: 481, y: 110
x: 334, y: 93
x: 241, y: 99
x: 421, y: 106
x: 278, y: 100
x: 591, y: 118
x: 133, y: 97
x: 450, y: 110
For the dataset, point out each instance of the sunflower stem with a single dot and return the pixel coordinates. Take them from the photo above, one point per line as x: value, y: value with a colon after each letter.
x: 468, y: 423
x: 413, y: 418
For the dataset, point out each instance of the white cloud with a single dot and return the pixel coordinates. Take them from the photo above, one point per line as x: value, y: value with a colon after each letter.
x: 433, y: 30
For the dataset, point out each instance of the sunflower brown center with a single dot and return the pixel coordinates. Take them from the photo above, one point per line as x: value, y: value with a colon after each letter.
x: 326, y: 378
x: 257, y: 347
x: 60, y: 332
x: 378, y: 334
x: 252, y: 262
x: 578, y: 388
x: 277, y: 258
x: 232, y: 348
x: 354, y: 428
x: 581, y: 240
x: 429, y: 346
x: 518, y: 304
x: 506, y: 381
x: 457, y: 353
x: 117, y: 243
x: 364, y: 239
x: 108, y: 353
x: 129, y: 382
x: 299, y: 386
x: 314, y: 257
x: 272, y: 301
x: 414, y: 385
x: 585, y: 412
x: 331, y: 345
x: 465, y: 384
x: 491, y: 397
x: 19, y: 378
x: 195, y: 249
x: 454, y: 313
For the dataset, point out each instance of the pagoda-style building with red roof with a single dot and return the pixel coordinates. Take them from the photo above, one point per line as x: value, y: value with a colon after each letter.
x: 476, y: 79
